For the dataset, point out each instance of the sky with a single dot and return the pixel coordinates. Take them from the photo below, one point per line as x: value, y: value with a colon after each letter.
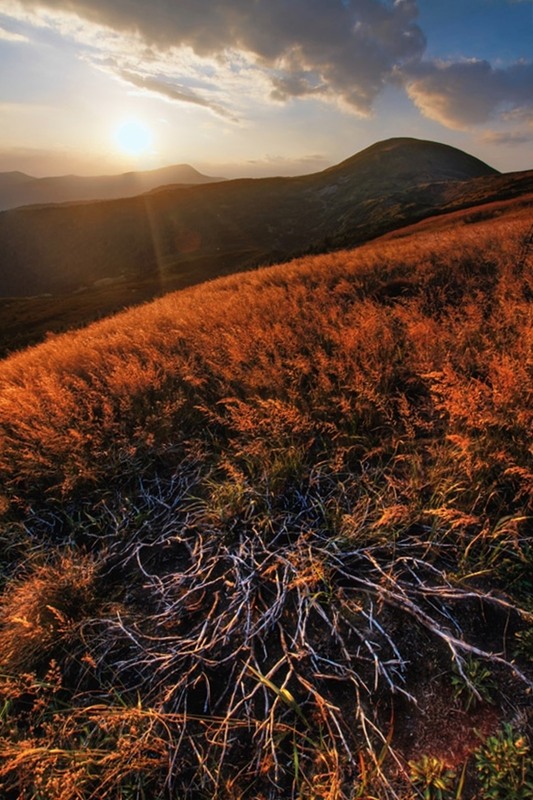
x: 259, y: 87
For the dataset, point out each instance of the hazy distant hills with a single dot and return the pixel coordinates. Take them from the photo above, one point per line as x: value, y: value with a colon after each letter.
x: 19, y: 189
x: 98, y: 257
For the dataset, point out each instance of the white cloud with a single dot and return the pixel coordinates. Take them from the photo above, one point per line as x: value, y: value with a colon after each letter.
x: 10, y: 36
x: 268, y: 165
x: 170, y: 91
x: 343, y: 49
x: 507, y: 137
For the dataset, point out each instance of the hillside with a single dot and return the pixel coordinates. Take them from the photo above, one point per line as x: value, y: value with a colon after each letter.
x: 19, y: 189
x: 269, y: 537
x: 96, y: 258
x: 399, y: 159
x: 239, y: 223
x: 14, y: 178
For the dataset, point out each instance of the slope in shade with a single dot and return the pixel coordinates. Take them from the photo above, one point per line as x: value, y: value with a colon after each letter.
x: 200, y: 232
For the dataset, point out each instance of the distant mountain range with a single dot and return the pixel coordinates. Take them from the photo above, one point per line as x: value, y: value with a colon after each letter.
x: 19, y: 189
x: 94, y: 258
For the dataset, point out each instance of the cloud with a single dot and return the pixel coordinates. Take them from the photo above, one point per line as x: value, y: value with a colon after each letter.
x: 278, y: 160
x: 344, y: 49
x: 465, y: 93
x: 296, y: 84
x: 9, y: 36
x: 507, y: 137
x: 174, y: 93
x: 268, y: 165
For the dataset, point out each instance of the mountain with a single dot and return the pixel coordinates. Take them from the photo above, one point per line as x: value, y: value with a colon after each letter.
x: 15, y: 178
x: 19, y: 189
x: 99, y: 257
x: 402, y: 158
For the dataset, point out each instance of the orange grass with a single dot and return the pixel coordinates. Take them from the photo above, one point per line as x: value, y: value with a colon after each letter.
x: 319, y: 342
x: 356, y: 429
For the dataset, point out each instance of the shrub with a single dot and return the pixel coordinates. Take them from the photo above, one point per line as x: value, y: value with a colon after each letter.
x: 504, y: 766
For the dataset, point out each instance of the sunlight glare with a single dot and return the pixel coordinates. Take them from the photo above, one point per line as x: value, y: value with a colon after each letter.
x: 133, y: 137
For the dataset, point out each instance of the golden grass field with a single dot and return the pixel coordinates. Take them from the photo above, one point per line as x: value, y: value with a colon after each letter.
x: 269, y: 537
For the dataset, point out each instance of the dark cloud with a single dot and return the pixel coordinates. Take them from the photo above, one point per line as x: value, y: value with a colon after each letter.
x: 349, y: 47
x: 296, y: 84
x: 466, y: 93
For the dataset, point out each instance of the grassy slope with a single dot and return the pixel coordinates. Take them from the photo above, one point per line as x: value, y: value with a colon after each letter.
x: 26, y: 321
x: 268, y: 537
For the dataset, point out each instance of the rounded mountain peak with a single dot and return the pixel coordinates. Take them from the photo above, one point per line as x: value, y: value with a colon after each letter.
x: 418, y: 160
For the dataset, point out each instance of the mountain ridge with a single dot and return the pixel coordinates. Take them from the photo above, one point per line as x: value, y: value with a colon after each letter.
x: 25, y: 190
x: 98, y: 257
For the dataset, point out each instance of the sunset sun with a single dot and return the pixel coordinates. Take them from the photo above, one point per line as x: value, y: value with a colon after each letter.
x: 133, y: 138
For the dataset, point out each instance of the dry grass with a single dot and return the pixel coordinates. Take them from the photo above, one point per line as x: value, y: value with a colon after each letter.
x: 306, y: 495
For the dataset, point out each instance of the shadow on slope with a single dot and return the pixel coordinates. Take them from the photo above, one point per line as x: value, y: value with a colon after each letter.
x: 63, y: 248
x: 27, y: 320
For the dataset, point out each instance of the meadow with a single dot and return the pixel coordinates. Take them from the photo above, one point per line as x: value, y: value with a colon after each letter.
x: 270, y: 536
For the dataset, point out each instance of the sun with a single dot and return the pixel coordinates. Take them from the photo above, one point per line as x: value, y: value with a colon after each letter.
x: 133, y: 137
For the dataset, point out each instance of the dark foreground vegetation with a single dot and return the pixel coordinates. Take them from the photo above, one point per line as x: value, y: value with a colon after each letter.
x: 270, y: 537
